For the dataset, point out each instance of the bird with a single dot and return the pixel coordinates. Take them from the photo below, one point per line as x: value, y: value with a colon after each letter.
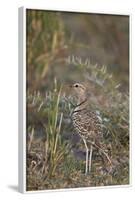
x: 87, y: 124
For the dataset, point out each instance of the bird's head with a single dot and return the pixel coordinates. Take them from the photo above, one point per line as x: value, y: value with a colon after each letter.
x: 79, y: 91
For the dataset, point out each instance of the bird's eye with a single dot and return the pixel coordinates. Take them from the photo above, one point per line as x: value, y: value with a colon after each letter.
x: 76, y: 85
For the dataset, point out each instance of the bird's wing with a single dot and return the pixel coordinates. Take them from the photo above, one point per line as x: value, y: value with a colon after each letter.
x: 89, y: 124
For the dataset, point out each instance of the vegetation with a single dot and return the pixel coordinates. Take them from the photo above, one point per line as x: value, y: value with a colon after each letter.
x: 55, y: 154
x: 56, y: 159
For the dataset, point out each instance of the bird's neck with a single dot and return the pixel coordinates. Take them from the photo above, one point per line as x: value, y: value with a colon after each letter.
x: 81, y: 104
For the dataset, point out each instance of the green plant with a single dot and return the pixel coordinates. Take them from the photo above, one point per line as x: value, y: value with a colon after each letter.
x: 57, y: 148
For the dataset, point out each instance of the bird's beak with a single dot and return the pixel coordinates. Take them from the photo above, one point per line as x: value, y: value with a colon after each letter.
x: 70, y: 86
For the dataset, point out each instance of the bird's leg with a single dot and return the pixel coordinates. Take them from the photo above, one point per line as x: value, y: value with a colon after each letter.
x: 90, y: 158
x: 87, y: 151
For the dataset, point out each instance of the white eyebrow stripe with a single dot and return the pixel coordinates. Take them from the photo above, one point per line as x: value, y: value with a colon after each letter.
x: 80, y: 85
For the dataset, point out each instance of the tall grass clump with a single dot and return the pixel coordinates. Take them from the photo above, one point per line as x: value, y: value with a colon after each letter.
x: 57, y: 148
x: 44, y: 154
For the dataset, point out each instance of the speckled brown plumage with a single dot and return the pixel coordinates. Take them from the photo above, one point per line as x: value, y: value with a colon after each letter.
x: 88, y: 125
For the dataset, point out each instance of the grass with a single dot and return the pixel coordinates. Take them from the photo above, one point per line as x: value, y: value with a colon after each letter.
x: 56, y: 156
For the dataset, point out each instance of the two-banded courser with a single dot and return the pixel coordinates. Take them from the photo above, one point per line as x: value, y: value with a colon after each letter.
x: 87, y: 124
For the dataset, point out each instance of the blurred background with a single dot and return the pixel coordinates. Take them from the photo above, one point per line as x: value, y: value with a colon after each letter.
x: 53, y: 38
